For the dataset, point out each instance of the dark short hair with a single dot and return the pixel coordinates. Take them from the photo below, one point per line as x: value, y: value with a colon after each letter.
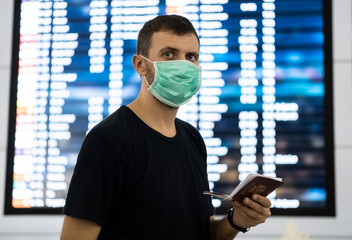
x: 165, y: 23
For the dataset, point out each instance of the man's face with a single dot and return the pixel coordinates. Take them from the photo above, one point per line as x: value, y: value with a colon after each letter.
x: 166, y: 46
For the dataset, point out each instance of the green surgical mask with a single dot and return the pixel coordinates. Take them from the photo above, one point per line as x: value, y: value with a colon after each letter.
x: 175, y: 82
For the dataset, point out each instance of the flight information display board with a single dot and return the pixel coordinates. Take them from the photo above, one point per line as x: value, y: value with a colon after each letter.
x: 265, y: 105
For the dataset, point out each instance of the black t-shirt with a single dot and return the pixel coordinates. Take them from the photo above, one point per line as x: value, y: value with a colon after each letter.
x: 138, y: 184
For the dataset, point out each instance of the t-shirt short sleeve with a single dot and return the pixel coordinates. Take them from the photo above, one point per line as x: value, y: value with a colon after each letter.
x: 96, y: 182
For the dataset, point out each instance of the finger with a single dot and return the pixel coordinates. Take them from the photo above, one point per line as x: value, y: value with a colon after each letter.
x: 265, y: 202
x: 240, y: 217
x: 254, y: 215
x: 246, y: 217
x: 265, y: 211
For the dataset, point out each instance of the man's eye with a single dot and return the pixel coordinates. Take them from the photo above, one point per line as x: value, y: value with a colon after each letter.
x: 168, y: 54
x: 192, y: 58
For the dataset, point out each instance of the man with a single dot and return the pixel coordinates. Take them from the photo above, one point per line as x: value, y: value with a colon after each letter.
x: 141, y: 172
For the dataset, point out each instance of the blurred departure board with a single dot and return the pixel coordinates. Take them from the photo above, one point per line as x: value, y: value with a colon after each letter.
x: 264, y: 105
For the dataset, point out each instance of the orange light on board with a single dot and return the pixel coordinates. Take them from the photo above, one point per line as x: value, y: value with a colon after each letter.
x: 19, y: 203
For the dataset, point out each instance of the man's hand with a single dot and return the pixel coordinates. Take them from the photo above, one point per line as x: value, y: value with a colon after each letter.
x: 251, y: 212
x: 79, y: 229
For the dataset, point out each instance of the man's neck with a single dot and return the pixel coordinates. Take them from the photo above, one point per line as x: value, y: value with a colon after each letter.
x: 155, y: 114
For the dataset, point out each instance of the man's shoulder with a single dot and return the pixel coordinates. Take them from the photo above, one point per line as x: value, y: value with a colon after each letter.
x: 115, y: 125
x: 186, y: 126
x: 188, y: 129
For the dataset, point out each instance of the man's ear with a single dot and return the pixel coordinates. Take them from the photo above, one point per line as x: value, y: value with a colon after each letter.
x: 139, y: 65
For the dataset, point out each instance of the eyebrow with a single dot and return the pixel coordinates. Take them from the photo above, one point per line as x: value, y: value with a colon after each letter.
x: 176, y: 50
x: 168, y: 48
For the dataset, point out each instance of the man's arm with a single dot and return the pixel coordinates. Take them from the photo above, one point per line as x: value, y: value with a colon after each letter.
x: 249, y: 213
x: 79, y: 229
x: 221, y: 229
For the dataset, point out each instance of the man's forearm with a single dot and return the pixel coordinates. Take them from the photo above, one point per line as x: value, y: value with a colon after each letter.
x: 221, y: 230
x: 249, y: 213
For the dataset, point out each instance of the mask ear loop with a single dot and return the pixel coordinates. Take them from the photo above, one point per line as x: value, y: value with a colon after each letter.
x: 145, y: 79
x: 144, y: 76
x: 146, y: 58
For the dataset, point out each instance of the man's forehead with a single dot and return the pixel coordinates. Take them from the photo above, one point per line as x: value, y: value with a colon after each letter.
x: 187, y: 42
